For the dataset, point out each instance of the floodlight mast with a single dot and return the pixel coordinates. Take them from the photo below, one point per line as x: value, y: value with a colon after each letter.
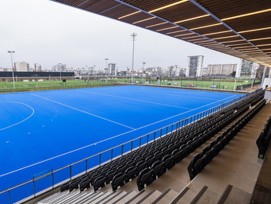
x: 106, y: 66
x: 133, y: 56
x: 11, y: 52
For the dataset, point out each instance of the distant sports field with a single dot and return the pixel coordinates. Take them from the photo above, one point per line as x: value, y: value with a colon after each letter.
x: 43, y: 131
x: 200, y: 83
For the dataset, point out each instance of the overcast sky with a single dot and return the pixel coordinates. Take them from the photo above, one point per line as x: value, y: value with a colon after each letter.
x: 46, y: 32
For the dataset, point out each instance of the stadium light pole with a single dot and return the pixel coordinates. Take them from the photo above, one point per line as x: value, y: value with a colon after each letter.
x: 143, y: 70
x: 106, y: 59
x: 133, y: 56
x: 11, y: 52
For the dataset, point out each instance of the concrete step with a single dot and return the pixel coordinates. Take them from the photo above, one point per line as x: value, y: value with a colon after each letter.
x: 57, y: 197
x: 98, y: 200
x: 72, y: 199
x: 179, y: 196
x: 44, y: 201
x: 225, y: 194
x: 199, y: 195
x: 110, y: 197
x: 65, y: 197
x: 140, y: 197
x: 127, y: 198
x: 87, y: 195
x: 152, y: 197
x: 68, y: 197
x: 116, y: 198
x: 189, y: 195
x: 93, y: 198
x: 234, y: 195
x: 166, y: 197
x: 209, y: 197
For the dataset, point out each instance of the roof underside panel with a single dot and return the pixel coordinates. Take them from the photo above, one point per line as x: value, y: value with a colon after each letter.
x: 239, y: 28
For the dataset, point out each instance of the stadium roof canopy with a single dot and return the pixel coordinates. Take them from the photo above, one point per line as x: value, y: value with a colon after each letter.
x: 241, y: 28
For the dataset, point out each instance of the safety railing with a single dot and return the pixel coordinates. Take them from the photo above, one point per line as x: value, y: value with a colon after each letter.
x: 53, y: 178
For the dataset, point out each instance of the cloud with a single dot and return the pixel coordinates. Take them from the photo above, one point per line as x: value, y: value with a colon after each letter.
x: 48, y: 33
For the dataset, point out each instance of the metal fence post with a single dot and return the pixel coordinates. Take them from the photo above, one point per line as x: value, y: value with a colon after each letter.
x: 111, y: 154
x: 86, y: 165
x: 34, y: 186
x: 161, y: 132
x: 9, y: 196
x: 100, y: 159
x: 70, y: 172
x: 53, y: 178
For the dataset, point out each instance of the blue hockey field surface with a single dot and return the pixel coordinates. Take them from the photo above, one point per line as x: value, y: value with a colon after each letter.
x: 43, y: 131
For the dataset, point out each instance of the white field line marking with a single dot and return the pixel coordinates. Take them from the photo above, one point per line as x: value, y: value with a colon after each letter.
x: 14, y: 124
x: 107, y: 139
x: 85, y: 112
x: 179, y: 94
x: 138, y: 100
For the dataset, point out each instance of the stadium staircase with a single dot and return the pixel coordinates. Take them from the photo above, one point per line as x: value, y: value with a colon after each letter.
x: 229, y: 177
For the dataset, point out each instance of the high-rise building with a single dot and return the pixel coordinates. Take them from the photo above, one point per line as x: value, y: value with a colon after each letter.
x: 244, y: 68
x: 195, y: 64
x: 37, y: 67
x: 59, y: 67
x: 112, y: 69
x: 221, y: 69
x: 22, y: 67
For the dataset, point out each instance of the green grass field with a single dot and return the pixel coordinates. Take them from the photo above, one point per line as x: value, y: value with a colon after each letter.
x: 219, y: 84
x: 51, y: 84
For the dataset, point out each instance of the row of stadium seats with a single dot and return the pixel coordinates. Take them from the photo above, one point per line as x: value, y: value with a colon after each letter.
x: 200, y: 160
x: 263, y: 140
x: 152, y: 160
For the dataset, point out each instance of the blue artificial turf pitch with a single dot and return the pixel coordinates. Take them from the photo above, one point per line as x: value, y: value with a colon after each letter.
x: 41, y: 131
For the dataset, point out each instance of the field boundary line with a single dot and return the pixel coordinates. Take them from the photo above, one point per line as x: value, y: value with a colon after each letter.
x: 138, y: 100
x: 181, y: 92
x: 15, y: 124
x: 82, y: 111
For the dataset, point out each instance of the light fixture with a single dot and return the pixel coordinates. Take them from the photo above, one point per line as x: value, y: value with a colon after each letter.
x: 178, y: 31
x: 183, y: 34
x: 191, y: 19
x: 232, y: 45
x: 248, y: 49
x: 216, y: 33
x: 167, y: 6
x: 203, y: 41
x: 146, y: 19
x: 168, y: 28
x: 254, y: 30
x: 257, y: 39
x: 263, y: 45
x: 225, y: 37
x: 207, y: 26
x: 240, y: 47
x: 246, y: 14
x: 130, y: 14
x: 233, y: 41
x: 157, y: 24
x: 191, y: 37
